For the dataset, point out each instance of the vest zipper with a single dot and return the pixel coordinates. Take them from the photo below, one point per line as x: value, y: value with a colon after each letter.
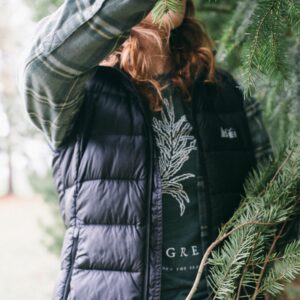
x: 155, y: 157
x: 149, y: 198
x: 201, y: 156
x: 72, y: 260
x: 205, y: 225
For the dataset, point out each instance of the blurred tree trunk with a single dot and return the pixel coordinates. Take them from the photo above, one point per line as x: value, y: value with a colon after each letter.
x: 10, y: 185
x: 13, y: 124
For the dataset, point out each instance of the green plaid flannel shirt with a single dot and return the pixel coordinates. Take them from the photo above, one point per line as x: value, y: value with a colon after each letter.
x: 67, y: 47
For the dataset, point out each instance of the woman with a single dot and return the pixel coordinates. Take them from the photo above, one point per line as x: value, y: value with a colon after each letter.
x: 151, y: 145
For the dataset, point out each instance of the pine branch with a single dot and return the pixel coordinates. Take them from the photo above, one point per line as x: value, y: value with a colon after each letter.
x: 266, y: 261
x: 232, y: 259
x: 284, y: 270
x: 216, y: 243
x: 293, y: 13
x: 165, y: 7
x: 252, y: 232
x: 265, y: 49
x: 247, y: 277
x: 216, y: 8
x: 235, y: 31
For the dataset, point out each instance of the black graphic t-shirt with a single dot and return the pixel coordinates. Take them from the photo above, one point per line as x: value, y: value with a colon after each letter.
x: 177, y: 147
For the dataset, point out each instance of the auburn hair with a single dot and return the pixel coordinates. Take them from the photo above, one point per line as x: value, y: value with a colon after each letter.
x: 190, y: 53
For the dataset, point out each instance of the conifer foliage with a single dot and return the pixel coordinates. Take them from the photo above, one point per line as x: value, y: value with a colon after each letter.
x: 164, y: 7
x: 267, y: 38
x: 252, y: 254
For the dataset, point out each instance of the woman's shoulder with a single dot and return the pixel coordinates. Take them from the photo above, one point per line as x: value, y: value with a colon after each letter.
x: 223, y: 79
x: 229, y: 86
x: 107, y: 73
x: 226, y: 78
x: 225, y: 92
x: 108, y: 79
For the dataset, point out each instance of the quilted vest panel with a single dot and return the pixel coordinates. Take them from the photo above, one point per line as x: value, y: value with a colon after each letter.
x: 226, y: 149
x: 103, y: 178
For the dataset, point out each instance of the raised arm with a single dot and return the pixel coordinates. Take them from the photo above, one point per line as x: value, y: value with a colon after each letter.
x: 67, y: 47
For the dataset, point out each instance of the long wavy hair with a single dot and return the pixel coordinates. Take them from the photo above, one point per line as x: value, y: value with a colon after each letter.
x: 190, y: 51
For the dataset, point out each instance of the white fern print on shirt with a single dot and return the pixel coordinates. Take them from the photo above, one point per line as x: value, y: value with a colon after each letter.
x: 175, y: 142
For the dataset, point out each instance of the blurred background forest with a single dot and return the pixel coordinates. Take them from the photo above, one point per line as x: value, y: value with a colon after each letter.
x: 258, y: 41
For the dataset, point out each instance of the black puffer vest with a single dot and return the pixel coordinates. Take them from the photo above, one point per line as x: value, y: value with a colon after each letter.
x: 108, y: 181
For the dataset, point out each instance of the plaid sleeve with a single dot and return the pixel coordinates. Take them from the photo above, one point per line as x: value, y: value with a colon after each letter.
x: 260, y: 137
x: 64, y: 53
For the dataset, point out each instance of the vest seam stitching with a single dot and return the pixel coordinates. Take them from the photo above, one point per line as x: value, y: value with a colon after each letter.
x: 121, y: 134
x: 229, y: 150
x: 104, y: 270
x: 98, y: 179
x: 104, y: 224
x: 220, y: 112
